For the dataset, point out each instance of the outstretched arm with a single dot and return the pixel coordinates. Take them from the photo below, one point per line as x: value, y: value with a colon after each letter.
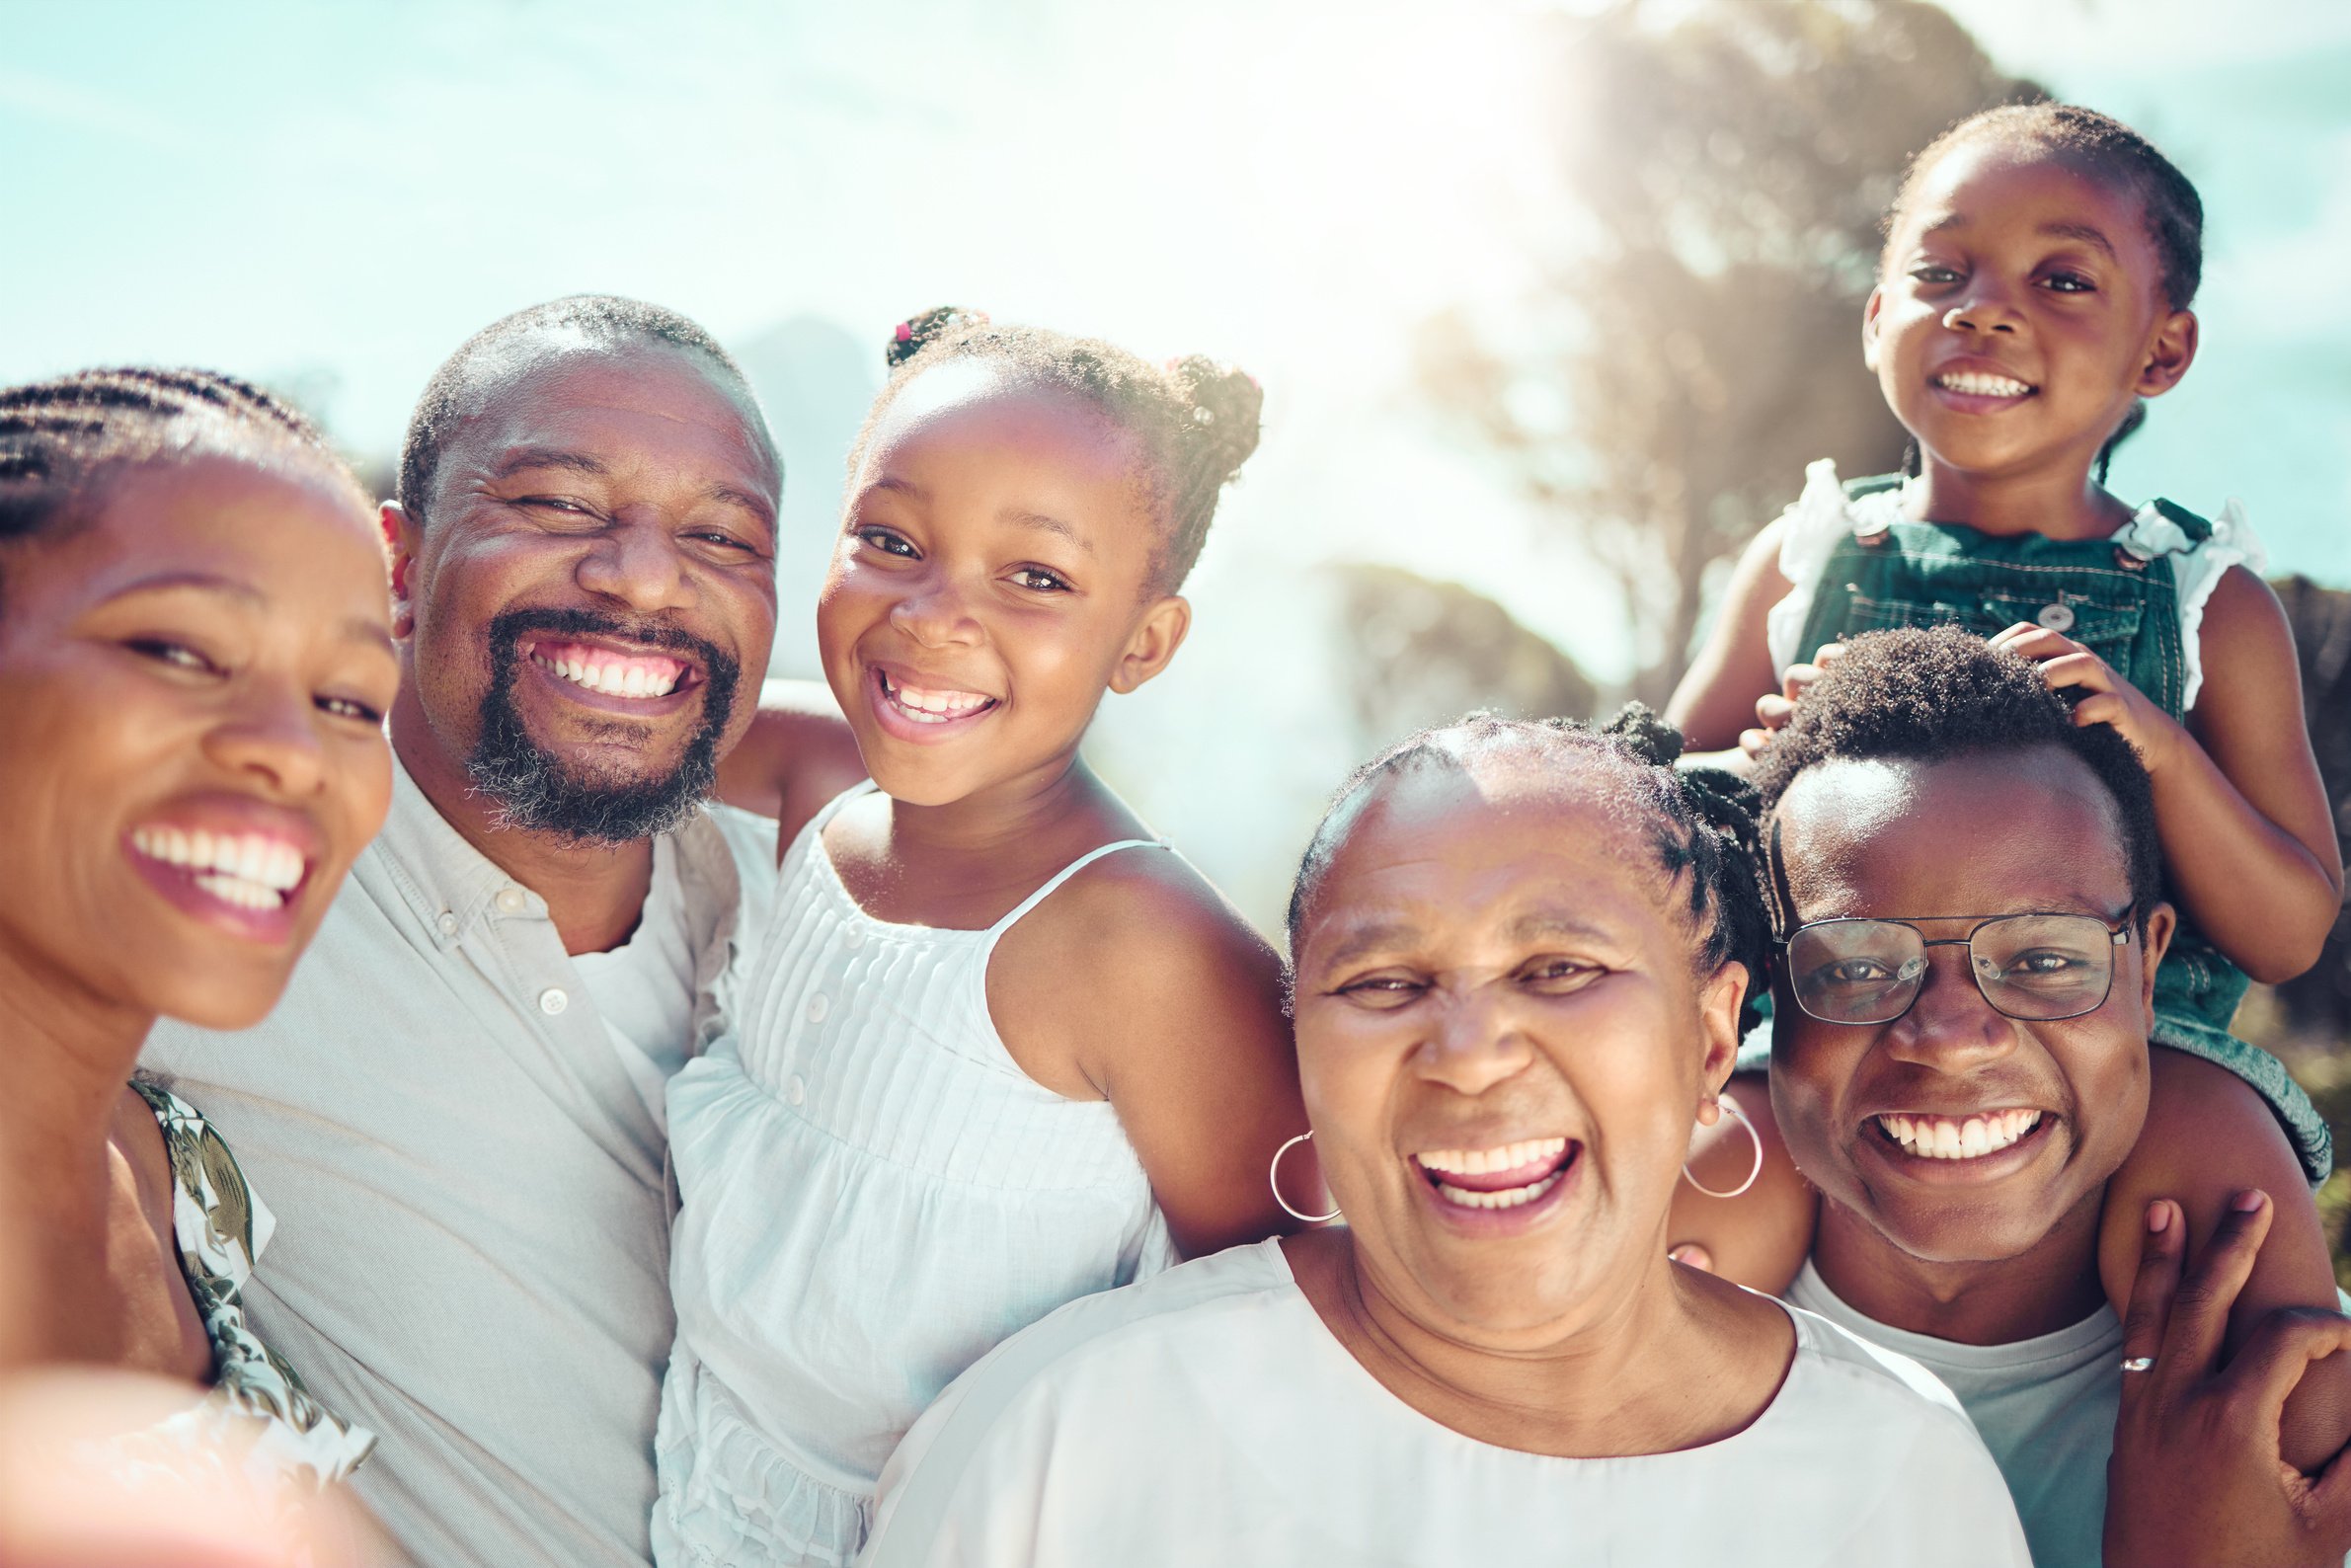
x: 798, y: 755
x: 2248, y: 840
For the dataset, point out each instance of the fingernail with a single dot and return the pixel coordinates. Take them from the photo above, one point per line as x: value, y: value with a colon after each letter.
x: 2247, y: 1202
x: 2158, y: 1215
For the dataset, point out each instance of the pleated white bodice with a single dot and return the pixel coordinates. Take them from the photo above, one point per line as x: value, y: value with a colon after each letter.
x: 873, y: 1195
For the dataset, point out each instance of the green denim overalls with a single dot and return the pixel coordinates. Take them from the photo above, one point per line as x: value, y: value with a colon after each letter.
x: 2121, y: 607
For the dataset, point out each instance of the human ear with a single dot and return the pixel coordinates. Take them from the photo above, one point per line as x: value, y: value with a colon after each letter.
x: 1869, y: 316
x: 2168, y: 354
x: 403, y: 535
x: 1157, y: 634
x: 1720, y: 997
x: 2163, y: 922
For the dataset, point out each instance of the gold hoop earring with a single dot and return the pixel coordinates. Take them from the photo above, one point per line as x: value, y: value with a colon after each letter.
x: 1273, y: 1178
x: 1732, y: 1106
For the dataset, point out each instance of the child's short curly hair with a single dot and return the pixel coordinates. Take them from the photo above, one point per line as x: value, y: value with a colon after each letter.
x: 1195, y: 420
x: 1700, y: 823
x: 1931, y: 693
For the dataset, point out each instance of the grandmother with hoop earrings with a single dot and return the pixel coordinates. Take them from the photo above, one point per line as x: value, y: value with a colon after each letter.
x: 1521, y: 960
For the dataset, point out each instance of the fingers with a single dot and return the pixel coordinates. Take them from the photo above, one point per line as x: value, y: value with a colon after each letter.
x: 2268, y: 1364
x: 2001, y: 639
x: 1772, y: 710
x: 2104, y: 707
x: 1693, y: 1256
x: 2199, y: 1314
x: 2083, y: 669
x: 2036, y: 643
x: 2152, y: 1290
x: 1797, y: 679
x: 1827, y: 654
x: 1753, y: 741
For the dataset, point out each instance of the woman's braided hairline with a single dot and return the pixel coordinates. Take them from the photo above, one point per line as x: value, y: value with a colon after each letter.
x: 1196, y: 419
x: 60, y: 437
x: 1706, y: 830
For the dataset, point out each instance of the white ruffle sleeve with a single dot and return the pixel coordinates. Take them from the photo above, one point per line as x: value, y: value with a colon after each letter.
x: 1808, y: 534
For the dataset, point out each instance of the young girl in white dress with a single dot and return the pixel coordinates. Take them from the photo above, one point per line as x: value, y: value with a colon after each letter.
x: 999, y: 1048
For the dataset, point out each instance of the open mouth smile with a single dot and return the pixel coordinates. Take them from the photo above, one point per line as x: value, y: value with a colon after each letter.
x: 245, y: 879
x: 611, y: 672
x: 1507, y: 1176
x: 1976, y: 1145
x: 913, y: 708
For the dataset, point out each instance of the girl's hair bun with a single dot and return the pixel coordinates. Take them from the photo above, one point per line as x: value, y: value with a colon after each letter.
x: 919, y: 332
x: 1225, y: 404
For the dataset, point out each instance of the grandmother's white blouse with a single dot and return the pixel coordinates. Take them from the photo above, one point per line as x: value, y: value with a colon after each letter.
x: 1207, y: 1416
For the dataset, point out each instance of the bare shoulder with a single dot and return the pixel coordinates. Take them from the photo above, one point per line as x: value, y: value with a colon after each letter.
x: 2244, y: 624
x: 1148, y: 917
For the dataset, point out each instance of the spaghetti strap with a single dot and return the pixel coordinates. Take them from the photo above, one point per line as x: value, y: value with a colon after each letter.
x: 832, y: 807
x: 1063, y: 874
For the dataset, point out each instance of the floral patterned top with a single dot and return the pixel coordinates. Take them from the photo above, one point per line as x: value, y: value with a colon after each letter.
x: 221, y: 1229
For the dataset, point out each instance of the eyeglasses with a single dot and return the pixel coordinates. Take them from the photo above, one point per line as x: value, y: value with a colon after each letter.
x: 2035, y: 967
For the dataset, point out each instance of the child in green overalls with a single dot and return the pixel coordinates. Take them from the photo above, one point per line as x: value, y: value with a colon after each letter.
x: 2035, y: 290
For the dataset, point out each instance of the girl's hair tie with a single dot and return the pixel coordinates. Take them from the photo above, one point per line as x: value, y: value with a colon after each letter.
x: 917, y: 333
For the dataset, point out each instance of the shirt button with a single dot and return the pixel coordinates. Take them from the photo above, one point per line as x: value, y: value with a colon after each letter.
x: 511, y: 900
x: 854, y: 936
x: 447, y: 923
x: 552, y: 1000
x: 818, y: 1007
x: 2057, y: 617
x: 795, y: 1090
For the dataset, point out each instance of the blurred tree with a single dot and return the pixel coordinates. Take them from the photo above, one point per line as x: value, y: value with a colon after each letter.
x: 1417, y: 652
x: 2316, y: 1006
x: 1696, y: 340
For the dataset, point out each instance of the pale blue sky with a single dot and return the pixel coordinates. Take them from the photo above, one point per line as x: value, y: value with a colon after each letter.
x: 334, y: 196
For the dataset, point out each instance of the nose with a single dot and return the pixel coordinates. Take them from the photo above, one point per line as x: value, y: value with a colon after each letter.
x: 637, y: 564
x: 271, y: 732
x: 1475, y: 1042
x: 935, y: 612
x: 1950, y: 1028
x: 1986, y: 309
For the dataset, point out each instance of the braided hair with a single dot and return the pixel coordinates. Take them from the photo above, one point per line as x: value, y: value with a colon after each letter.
x: 1195, y: 420
x: 1700, y: 822
x: 62, y: 439
x: 2115, y: 155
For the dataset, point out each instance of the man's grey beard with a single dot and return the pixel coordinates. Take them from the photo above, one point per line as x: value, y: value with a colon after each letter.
x: 536, y: 792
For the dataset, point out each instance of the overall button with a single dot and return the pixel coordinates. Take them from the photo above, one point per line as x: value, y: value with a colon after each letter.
x: 552, y: 1000
x: 512, y: 901
x: 2057, y: 617
x: 818, y: 1006
x: 795, y: 1090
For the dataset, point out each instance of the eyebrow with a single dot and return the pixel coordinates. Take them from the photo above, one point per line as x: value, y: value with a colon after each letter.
x: 2087, y: 233
x: 1043, y: 521
x: 1384, y: 934
x: 355, y: 629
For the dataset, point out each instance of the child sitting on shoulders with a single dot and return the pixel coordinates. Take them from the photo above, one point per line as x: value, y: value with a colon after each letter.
x: 2035, y: 287
x: 999, y: 1046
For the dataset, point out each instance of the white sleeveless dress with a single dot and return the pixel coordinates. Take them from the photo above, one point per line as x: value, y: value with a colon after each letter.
x: 873, y: 1195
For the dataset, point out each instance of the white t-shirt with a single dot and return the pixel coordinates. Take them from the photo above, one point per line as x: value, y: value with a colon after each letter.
x: 1207, y: 1416
x: 2045, y: 1407
x: 644, y: 988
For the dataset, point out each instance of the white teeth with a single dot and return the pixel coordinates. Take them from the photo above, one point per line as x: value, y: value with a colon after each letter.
x: 1943, y: 1138
x: 239, y: 892
x: 1507, y: 1198
x: 934, y: 707
x: 613, y: 678
x: 1483, y: 1161
x: 268, y: 868
x: 1978, y: 384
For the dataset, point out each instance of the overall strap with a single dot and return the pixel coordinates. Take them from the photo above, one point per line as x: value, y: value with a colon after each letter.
x: 1063, y: 874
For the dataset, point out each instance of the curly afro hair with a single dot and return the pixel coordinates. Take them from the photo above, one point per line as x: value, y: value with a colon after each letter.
x: 1925, y: 694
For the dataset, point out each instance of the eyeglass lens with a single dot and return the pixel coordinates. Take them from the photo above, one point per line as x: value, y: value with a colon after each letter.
x: 2038, y: 966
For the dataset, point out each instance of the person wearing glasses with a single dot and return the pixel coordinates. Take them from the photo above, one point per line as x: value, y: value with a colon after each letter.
x: 1968, y: 915
x: 1521, y: 956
